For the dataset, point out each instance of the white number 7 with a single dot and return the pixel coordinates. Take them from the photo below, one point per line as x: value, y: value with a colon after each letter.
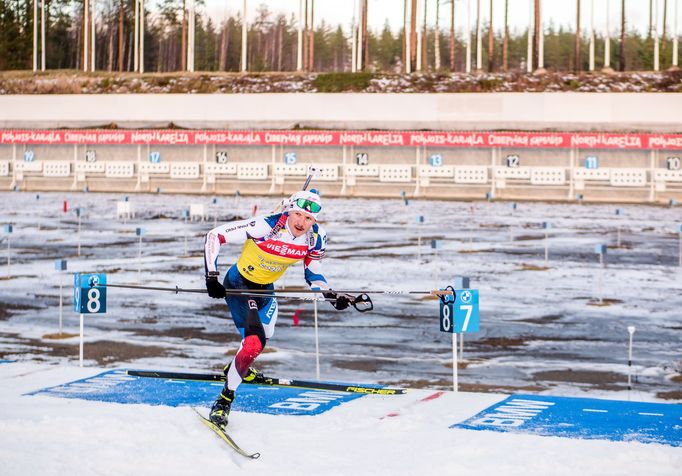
x: 468, y: 308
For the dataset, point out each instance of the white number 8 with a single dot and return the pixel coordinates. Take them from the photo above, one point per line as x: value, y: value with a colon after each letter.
x: 93, y: 300
x: 447, y: 323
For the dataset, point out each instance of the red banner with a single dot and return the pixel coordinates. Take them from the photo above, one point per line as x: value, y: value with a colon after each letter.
x: 539, y: 140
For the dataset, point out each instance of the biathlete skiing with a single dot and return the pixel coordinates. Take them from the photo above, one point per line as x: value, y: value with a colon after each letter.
x: 271, y: 244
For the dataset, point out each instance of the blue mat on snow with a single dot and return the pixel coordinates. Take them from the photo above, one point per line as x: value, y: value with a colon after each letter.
x: 584, y: 418
x: 115, y: 386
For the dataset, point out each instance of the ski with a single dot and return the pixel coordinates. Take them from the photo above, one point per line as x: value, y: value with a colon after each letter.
x: 225, y: 436
x: 335, y: 387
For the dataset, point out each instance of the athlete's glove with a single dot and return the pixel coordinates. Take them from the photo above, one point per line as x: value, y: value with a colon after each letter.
x: 339, y: 301
x: 215, y: 289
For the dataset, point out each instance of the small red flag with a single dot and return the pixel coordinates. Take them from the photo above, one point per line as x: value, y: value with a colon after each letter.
x: 296, y: 316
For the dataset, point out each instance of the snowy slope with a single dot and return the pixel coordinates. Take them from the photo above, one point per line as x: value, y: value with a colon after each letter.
x: 55, y: 436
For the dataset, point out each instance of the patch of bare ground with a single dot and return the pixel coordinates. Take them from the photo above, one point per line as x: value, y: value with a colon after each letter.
x: 527, y: 237
x: 674, y: 395
x: 541, y: 320
x: 60, y: 335
x: 7, y: 308
x: 484, y: 388
x: 494, y: 344
x: 187, y: 333
x: 362, y: 365
x: 104, y: 352
x: 179, y: 268
x: 603, y: 302
x: 595, y: 378
x: 623, y: 246
x: 15, y: 276
x: 532, y: 267
x: 499, y: 342
x: 445, y: 384
x: 463, y: 364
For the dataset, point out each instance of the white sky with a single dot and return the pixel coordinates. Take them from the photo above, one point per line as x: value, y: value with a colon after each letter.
x: 559, y: 12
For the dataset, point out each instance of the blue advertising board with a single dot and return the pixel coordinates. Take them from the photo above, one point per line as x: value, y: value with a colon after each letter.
x: 584, y: 418
x: 116, y: 386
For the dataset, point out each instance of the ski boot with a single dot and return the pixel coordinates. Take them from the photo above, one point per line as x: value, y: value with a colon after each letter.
x: 252, y: 376
x: 221, y: 408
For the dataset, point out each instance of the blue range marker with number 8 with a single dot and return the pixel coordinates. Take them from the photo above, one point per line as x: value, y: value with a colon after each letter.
x: 462, y: 314
x: 90, y: 293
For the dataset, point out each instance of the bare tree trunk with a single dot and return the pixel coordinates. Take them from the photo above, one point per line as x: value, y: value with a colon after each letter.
x: 505, y: 43
x: 665, y: 20
x: 159, y: 56
x: 452, y: 37
x: 536, y: 40
x: 279, y: 46
x: 305, y: 38
x: 577, y: 66
x: 121, y: 36
x: 479, y: 41
x: 404, y: 42
x: 491, y: 41
x: 413, y: 32
x: 312, y: 35
x: 651, y: 17
x: 425, y: 43
x: 365, y: 37
x: 270, y: 40
x: 130, y: 56
x: 183, y: 38
x: 76, y: 53
x: 436, y: 40
x: 170, y: 53
x: 621, y: 65
x: 110, y: 62
x: 83, y: 33
x: 222, y: 56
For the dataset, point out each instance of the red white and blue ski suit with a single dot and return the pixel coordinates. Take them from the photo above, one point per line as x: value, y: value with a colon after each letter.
x: 269, y: 248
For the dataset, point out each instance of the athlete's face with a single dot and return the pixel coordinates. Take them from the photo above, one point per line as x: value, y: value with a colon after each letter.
x: 299, y: 223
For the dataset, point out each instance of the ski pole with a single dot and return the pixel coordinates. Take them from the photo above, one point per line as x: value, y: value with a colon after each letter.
x: 362, y: 302
x: 258, y: 292
x: 311, y: 173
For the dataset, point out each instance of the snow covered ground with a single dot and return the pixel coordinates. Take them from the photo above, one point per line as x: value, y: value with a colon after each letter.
x: 55, y: 436
x: 555, y: 329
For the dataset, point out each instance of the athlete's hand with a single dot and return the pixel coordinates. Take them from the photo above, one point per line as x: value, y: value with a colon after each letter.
x: 339, y: 301
x: 215, y: 289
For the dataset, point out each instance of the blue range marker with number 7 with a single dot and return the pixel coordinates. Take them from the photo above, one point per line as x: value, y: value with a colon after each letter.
x: 462, y: 314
